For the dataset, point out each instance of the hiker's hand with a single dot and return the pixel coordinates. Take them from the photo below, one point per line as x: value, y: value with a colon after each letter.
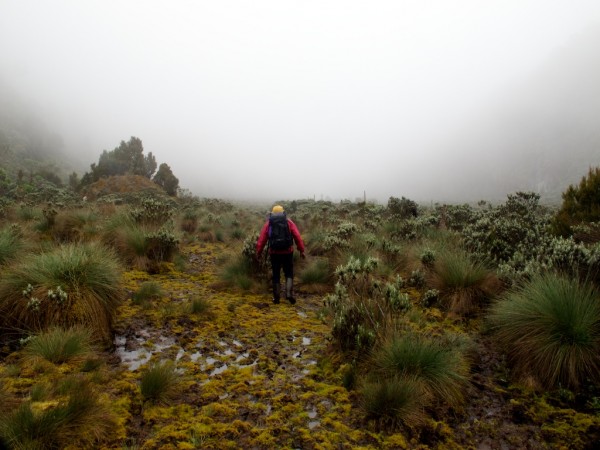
x: 302, y: 255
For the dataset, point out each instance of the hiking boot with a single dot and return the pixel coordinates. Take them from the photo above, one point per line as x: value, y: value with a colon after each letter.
x: 289, y: 285
x: 276, y: 295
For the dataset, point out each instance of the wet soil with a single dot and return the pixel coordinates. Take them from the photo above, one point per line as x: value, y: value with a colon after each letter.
x: 260, y: 375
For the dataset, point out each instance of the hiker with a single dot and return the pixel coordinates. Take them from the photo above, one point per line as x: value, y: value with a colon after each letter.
x: 280, y: 233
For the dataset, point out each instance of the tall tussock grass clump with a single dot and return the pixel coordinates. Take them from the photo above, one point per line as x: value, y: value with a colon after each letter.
x: 465, y: 285
x: 74, y: 226
x: 59, y: 345
x: 122, y: 233
x: 394, y: 401
x: 76, y: 419
x: 159, y: 382
x: 408, y: 373
x: 68, y: 285
x: 11, y: 243
x: 440, y: 366
x: 140, y: 243
x: 550, y: 330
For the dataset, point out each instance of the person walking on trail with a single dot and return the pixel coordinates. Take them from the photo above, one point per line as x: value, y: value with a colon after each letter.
x: 280, y: 233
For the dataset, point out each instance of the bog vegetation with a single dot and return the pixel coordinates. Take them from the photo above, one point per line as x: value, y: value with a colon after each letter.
x: 420, y: 305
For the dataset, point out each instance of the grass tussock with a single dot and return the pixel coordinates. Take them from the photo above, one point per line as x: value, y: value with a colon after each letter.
x: 317, y: 271
x: 59, y: 345
x: 65, y: 286
x: 76, y: 419
x: 550, y: 330
x: 465, y: 286
x: 147, y: 291
x: 439, y: 365
x: 200, y: 306
x: 159, y: 382
x: 394, y: 401
x: 11, y: 244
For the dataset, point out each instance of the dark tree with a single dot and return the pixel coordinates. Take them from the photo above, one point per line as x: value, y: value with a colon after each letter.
x: 403, y: 207
x: 580, y: 203
x: 165, y: 179
x: 126, y: 159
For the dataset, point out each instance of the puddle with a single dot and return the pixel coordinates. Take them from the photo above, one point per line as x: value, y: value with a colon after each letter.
x: 302, y: 314
x: 242, y: 357
x: 305, y: 341
x: 313, y: 424
x: 218, y: 370
x: 237, y: 344
x: 133, y: 359
x: 195, y: 356
x: 137, y: 350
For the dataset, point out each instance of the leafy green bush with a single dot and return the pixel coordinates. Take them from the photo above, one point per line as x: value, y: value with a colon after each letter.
x: 550, y: 330
x: 363, y: 306
x: 68, y: 285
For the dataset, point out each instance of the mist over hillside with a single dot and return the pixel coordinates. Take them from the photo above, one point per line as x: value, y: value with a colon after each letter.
x: 541, y: 135
x: 433, y: 101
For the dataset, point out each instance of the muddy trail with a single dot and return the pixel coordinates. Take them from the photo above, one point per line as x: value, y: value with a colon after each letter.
x: 255, y: 375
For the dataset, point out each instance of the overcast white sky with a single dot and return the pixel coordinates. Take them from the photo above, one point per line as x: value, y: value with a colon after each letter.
x: 279, y: 99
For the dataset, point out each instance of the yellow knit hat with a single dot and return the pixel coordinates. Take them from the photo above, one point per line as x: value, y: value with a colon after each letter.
x: 277, y: 209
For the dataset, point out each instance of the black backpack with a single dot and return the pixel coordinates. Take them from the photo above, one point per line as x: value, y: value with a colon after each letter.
x: 280, y: 236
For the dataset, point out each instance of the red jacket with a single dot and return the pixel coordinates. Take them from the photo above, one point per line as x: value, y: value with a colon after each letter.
x: 264, y: 237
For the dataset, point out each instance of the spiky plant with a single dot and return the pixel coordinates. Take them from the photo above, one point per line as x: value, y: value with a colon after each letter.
x: 60, y: 345
x: 199, y: 305
x: 147, y: 291
x: 550, y: 329
x: 77, y: 420
x: 11, y: 243
x: 74, y: 226
x: 394, y: 401
x: 440, y: 366
x: 122, y: 233
x: 317, y: 271
x: 159, y: 382
x: 465, y: 285
x: 68, y: 285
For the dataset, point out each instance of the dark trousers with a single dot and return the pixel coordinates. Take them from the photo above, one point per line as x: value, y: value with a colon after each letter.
x: 285, y: 261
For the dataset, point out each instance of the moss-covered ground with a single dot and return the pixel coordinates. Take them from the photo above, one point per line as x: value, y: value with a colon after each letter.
x: 255, y: 375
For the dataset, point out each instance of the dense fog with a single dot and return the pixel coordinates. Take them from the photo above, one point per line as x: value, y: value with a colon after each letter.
x: 435, y: 101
